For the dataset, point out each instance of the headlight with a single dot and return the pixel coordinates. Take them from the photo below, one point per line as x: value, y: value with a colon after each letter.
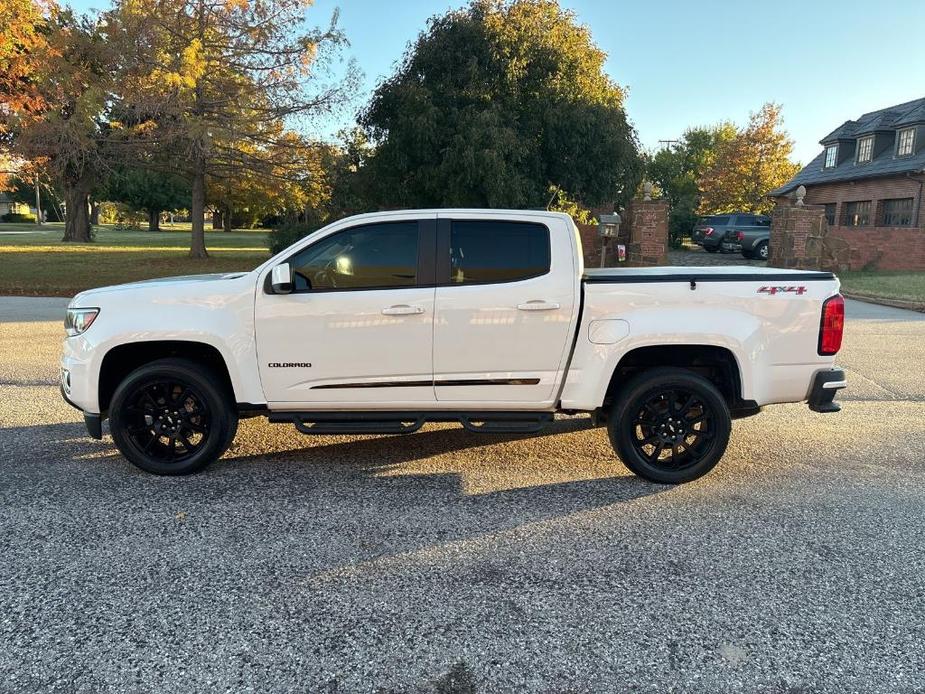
x: 77, y: 320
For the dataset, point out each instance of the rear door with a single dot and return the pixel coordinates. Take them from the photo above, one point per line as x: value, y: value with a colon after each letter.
x: 504, y: 310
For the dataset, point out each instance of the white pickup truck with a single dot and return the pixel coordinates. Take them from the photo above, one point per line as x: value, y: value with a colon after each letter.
x: 381, y: 322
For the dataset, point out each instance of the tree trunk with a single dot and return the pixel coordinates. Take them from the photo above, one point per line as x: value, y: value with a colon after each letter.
x: 77, y: 218
x: 217, y: 222
x: 197, y: 213
x: 94, y: 213
x: 154, y: 220
x: 226, y: 218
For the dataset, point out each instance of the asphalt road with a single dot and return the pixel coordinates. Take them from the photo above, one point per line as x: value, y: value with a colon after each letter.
x: 449, y: 562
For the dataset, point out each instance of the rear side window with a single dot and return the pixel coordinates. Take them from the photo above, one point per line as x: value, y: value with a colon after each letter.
x: 375, y: 256
x: 489, y: 251
x: 719, y: 220
x: 746, y: 220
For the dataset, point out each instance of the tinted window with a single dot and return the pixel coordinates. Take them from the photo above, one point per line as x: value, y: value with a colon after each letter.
x: 366, y: 257
x: 746, y: 220
x: 717, y: 220
x: 763, y: 221
x: 489, y: 251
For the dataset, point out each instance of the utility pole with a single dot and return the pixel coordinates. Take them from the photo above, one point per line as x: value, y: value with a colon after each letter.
x: 667, y: 143
x: 38, y: 202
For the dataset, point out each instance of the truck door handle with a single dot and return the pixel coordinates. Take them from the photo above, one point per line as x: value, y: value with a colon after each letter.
x: 402, y: 310
x: 537, y: 305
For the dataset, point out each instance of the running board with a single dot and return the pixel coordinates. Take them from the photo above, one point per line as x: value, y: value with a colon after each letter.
x: 409, y: 422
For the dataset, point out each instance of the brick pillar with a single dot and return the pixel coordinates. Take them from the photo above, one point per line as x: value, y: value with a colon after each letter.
x: 644, y: 231
x: 799, y: 240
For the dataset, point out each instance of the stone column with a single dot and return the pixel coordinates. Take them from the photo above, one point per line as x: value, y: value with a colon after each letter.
x: 799, y: 239
x: 644, y: 231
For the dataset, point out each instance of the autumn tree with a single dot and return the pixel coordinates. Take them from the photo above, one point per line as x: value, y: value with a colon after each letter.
x: 55, y: 101
x: 501, y: 104
x: 215, y: 81
x: 746, y: 167
x: 678, y: 169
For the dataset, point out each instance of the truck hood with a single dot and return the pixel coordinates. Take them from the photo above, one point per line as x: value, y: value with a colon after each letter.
x: 189, y: 285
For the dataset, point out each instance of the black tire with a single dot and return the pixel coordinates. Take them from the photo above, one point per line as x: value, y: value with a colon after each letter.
x: 748, y: 255
x: 669, y: 410
x: 711, y: 249
x: 172, y: 417
x: 761, y: 251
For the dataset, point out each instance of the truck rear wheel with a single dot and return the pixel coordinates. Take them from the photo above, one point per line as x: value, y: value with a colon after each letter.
x: 172, y: 417
x: 669, y: 425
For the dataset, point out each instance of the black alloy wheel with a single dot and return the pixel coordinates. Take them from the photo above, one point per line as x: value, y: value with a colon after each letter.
x: 670, y: 425
x: 172, y: 417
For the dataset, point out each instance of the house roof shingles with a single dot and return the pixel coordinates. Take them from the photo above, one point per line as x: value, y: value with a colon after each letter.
x: 886, y: 164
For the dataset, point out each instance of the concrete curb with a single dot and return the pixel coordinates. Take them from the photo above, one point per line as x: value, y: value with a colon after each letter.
x: 895, y: 303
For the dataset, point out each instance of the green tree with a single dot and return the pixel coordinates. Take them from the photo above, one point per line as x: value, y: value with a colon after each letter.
x: 501, y: 104
x: 746, y: 167
x: 148, y: 190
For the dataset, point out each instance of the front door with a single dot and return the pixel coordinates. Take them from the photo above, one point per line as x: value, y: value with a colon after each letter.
x: 357, y: 331
x: 504, y: 311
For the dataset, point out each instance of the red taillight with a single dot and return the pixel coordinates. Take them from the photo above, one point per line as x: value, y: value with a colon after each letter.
x: 708, y: 231
x: 740, y: 235
x: 832, y: 326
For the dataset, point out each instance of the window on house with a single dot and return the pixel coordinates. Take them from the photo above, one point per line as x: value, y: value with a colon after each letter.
x: 831, y: 156
x: 897, y: 213
x: 865, y: 149
x: 906, y: 141
x: 857, y: 214
x: 830, y: 213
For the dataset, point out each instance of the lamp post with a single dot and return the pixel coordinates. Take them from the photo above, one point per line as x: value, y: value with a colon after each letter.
x: 608, y: 227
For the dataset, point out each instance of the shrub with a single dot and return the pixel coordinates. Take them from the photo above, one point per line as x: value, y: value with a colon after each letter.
x: 18, y: 217
x: 286, y: 234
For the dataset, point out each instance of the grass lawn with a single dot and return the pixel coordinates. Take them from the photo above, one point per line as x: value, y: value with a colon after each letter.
x: 905, y: 286
x: 33, y: 261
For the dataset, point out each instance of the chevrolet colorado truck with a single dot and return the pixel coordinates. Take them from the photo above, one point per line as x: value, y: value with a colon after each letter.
x: 381, y: 322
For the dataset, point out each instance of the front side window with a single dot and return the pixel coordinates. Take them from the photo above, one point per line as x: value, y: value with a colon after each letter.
x: 906, y: 141
x: 831, y: 156
x: 857, y: 214
x: 375, y: 256
x: 746, y: 220
x: 865, y: 149
x: 897, y: 213
x: 488, y: 251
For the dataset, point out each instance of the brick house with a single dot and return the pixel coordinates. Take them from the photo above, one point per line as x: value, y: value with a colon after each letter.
x: 869, y: 178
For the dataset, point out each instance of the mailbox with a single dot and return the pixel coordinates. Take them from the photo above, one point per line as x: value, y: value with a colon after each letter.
x: 608, y: 225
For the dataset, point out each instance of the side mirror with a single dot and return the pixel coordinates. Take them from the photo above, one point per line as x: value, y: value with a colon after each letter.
x: 281, y: 279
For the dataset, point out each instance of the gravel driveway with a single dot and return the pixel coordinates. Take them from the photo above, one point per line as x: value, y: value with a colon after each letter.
x: 450, y: 562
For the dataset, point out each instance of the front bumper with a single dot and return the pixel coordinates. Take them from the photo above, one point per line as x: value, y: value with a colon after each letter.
x: 822, y: 392
x: 93, y: 422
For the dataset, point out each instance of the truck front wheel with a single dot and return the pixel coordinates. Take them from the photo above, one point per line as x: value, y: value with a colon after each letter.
x: 669, y: 425
x: 172, y: 417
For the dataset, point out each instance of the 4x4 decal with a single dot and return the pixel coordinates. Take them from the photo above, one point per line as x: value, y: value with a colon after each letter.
x: 782, y: 290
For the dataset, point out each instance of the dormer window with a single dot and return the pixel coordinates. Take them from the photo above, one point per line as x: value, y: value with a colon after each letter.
x: 831, y: 156
x: 906, y: 141
x: 865, y: 149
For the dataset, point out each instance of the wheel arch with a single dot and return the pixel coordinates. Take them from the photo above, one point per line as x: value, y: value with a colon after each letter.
x: 121, y: 360
x: 716, y: 363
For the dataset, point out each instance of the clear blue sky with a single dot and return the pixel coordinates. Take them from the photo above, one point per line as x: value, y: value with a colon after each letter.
x: 696, y: 62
